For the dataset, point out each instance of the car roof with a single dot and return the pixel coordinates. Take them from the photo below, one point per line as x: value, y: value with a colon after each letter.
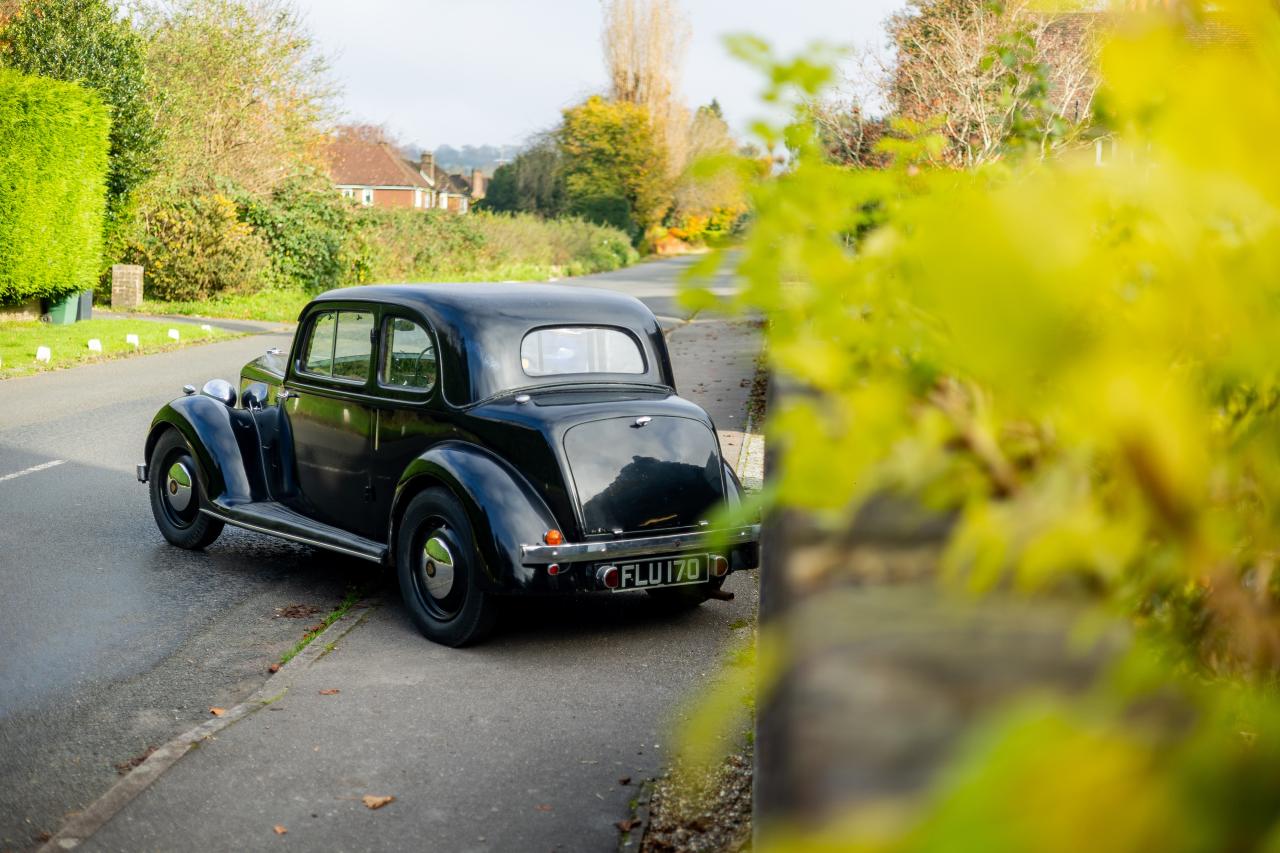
x: 480, y: 325
x: 488, y: 303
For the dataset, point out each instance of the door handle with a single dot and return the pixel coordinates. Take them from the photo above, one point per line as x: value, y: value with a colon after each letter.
x: 285, y: 394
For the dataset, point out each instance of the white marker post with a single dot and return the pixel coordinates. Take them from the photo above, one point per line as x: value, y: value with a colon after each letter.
x: 131, y: 340
x: 95, y: 345
x: 43, y: 354
x: 173, y: 333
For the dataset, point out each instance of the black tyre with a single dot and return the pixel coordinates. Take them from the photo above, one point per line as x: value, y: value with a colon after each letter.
x: 439, y: 571
x: 176, y: 495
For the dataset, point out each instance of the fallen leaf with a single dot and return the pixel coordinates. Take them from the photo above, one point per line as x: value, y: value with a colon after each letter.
x: 625, y: 780
x: 125, y: 766
x: 275, y: 667
x: 376, y: 802
x: 280, y: 830
x: 330, y: 691
x: 217, y: 712
x: 543, y: 808
x: 628, y: 824
x: 297, y: 611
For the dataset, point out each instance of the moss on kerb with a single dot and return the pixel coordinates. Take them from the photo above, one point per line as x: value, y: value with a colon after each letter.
x: 338, y: 612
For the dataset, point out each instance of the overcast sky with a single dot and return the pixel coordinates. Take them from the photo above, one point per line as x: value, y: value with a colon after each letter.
x: 495, y: 71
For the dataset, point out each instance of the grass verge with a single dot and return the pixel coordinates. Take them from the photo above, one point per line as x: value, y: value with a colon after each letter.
x: 69, y: 345
x: 314, y: 631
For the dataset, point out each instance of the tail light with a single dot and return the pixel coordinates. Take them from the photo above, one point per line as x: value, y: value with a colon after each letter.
x: 719, y: 566
x: 608, y: 577
x: 553, y: 537
x: 553, y: 569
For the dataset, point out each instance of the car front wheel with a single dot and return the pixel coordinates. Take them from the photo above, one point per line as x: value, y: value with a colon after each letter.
x: 175, y: 495
x: 438, y: 571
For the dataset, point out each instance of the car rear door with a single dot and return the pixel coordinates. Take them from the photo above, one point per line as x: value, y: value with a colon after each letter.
x: 406, y: 421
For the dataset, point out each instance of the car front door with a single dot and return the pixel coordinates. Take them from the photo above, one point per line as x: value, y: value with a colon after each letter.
x: 330, y: 416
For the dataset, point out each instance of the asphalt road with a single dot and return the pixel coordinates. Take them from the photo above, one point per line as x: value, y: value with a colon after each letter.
x: 112, y: 641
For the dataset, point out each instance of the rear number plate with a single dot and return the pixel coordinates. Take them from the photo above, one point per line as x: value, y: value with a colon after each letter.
x: 672, y: 571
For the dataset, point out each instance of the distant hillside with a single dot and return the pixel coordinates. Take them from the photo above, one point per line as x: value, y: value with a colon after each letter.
x: 461, y: 160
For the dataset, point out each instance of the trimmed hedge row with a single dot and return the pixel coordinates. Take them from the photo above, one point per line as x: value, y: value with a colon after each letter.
x: 53, y: 167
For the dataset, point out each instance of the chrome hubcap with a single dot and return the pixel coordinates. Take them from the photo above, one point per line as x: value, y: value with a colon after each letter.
x: 177, y: 487
x: 437, y: 565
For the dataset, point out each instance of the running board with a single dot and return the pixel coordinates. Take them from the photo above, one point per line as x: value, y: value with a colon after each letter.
x: 276, y: 519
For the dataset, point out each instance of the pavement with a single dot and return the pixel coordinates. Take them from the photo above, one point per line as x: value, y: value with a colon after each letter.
x: 115, y: 643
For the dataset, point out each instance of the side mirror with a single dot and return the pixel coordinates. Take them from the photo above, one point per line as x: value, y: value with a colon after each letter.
x: 222, y: 390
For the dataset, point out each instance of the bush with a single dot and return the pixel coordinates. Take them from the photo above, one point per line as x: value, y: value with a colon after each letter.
x: 1080, y: 362
x: 53, y: 167
x: 310, y: 230
x: 197, y: 247
x: 92, y: 43
x: 411, y: 245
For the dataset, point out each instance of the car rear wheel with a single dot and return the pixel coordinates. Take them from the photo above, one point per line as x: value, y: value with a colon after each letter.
x: 176, y: 495
x: 438, y: 569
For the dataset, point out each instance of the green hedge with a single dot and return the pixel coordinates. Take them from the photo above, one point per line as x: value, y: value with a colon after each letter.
x: 53, y: 167
x: 415, y: 245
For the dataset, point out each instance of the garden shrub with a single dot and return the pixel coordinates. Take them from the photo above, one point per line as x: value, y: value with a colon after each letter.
x: 53, y: 167
x: 310, y: 230
x: 412, y: 245
x: 196, y: 247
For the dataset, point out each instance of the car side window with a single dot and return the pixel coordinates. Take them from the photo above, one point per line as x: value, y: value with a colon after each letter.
x: 319, y: 358
x: 341, y: 345
x: 409, y: 356
x: 353, y: 345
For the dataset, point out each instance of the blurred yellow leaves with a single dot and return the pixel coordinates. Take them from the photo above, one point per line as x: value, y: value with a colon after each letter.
x: 1079, y: 355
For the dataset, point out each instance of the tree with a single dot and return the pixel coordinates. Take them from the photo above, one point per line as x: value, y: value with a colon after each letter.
x: 367, y: 132
x: 644, y: 45
x: 532, y: 183
x: 847, y: 135
x: 244, y: 98
x: 615, y: 167
x: 707, y: 198
x: 88, y: 42
x: 992, y: 71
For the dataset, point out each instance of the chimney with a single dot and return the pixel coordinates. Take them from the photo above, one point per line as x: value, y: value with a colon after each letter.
x: 427, y: 165
x: 477, y: 184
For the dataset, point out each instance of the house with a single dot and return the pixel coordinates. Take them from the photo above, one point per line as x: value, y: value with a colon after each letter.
x: 376, y: 174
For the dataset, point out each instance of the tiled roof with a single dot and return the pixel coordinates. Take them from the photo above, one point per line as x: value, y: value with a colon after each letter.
x: 448, y: 183
x: 371, y: 164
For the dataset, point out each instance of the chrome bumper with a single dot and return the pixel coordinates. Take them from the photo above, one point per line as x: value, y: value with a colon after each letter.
x: 584, y: 552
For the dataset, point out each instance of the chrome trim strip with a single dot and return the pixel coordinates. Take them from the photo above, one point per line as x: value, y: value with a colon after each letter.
x: 290, y: 536
x: 581, y: 552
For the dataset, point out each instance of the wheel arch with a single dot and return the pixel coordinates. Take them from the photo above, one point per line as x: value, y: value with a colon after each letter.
x: 504, y: 509
x: 205, y: 424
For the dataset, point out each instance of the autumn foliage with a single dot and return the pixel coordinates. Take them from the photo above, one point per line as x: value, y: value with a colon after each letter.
x: 1076, y: 358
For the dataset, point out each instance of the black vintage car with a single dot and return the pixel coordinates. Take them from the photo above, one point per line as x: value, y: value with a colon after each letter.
x: 483, y: 439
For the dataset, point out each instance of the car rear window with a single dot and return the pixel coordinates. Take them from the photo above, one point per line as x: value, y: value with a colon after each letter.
x: 579, y: 349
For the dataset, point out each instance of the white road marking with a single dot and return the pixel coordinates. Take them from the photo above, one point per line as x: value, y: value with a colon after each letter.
x: 34, y: 468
